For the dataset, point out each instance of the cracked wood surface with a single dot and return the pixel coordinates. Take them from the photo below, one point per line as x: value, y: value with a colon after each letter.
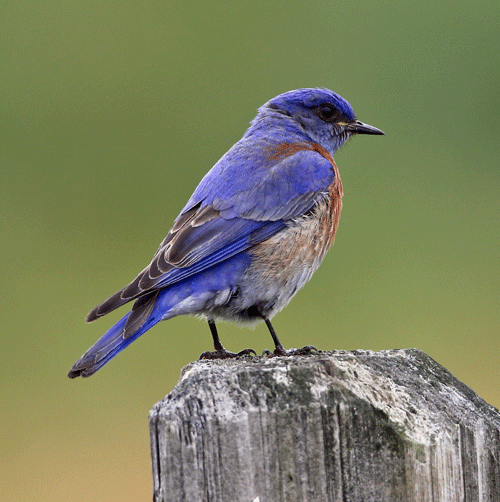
x: 333, y: 426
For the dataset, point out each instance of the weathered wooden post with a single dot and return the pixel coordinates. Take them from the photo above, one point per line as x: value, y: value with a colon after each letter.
x: 339, y: 426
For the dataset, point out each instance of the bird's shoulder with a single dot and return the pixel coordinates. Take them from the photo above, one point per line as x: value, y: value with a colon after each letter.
x: 265, y: 173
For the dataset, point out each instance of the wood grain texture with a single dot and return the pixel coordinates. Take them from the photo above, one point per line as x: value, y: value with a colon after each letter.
x: 334, y: 426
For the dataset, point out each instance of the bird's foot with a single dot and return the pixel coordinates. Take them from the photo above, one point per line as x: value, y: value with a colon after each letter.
x: 225, y: 354
x: 280, y: 351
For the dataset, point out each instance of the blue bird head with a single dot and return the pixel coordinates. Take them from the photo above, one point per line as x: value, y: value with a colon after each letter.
x: 322, y: 115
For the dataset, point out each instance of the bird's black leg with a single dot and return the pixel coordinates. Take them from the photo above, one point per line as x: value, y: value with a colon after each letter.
x: 213, y: 329
x: 279, y: 350
x: 219, y: 351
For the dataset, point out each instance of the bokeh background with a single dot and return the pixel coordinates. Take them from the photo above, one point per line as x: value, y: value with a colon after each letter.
x: 110, y: 114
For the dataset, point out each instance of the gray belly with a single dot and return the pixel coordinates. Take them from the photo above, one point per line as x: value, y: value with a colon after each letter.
x: 280, y: 267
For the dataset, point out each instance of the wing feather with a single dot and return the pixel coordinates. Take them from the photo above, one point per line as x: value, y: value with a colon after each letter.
x: 228, y: 214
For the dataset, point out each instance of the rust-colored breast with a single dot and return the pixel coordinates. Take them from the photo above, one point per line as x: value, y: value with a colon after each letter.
x: 329, y: 216
x: 307, y: 238
x: 282, y: 264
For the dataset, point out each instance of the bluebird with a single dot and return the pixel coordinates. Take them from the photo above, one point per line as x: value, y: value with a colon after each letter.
x: 252, y: 234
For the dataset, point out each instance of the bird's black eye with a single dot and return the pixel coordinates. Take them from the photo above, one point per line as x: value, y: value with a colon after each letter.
x: 328, y: 113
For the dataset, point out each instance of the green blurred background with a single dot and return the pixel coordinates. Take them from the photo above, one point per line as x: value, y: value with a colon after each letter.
x: 111, y: 112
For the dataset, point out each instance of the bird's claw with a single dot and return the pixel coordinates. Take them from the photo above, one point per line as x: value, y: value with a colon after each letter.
x: 225, y: 354
x: 282, y: 352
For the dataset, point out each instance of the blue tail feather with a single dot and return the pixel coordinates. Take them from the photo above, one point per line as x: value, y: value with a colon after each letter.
x: 110, y: 344
x: 168, y: 303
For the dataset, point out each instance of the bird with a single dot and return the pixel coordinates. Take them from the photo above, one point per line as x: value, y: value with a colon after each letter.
x: 252, y: 234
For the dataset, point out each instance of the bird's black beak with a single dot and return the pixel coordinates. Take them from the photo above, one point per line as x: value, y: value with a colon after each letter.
x: 358, y: 127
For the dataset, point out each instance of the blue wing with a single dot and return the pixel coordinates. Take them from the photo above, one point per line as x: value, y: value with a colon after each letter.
x: 263, y: 187
x: 244, y: 199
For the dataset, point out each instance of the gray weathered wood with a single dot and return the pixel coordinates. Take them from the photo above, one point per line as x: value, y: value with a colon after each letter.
x: 337, y: 426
